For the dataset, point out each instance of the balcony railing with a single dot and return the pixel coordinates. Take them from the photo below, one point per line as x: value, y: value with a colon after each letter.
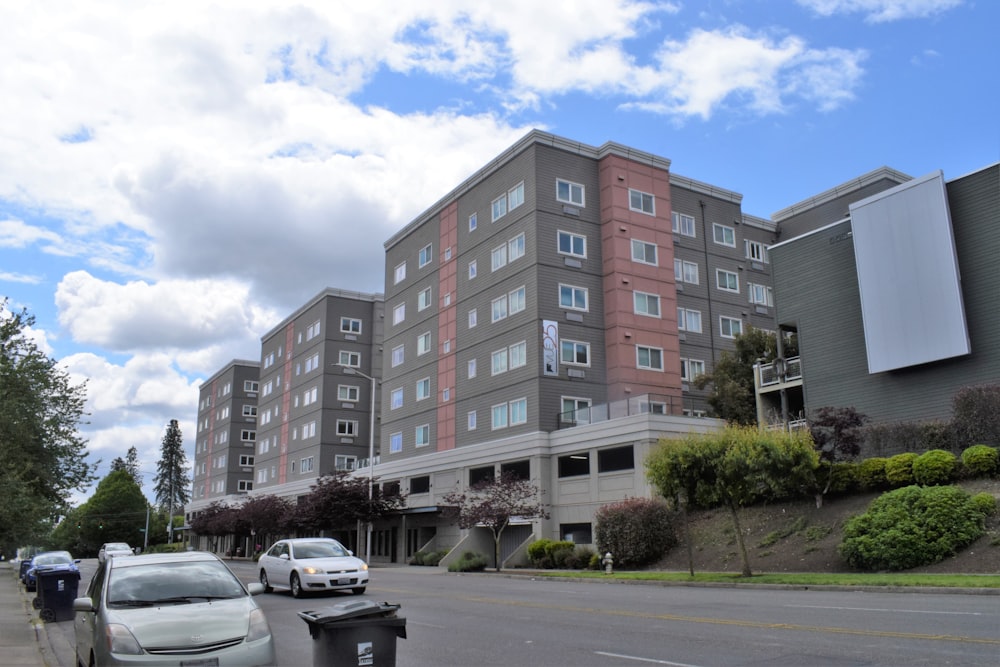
x: 657, y: 404
x: 769, y: 372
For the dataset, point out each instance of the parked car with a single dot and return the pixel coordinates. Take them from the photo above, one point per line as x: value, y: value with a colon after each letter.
x: 48, y: 560
x: 307, y: 564
x: 184, y: 608
x: 112, y: 549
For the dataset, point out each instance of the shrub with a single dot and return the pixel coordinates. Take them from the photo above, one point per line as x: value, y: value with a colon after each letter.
x: 899, y: 469
x: 981, y: 460
x: 910, y: 527
x: 429, y: 558
x: 871, y: 474
x: 844, y: 478
x: 469, y: 562
x: 976, y: 415
x: 936, y: 435
x: 934, y: 467
x: 561, y: 553
x: 637, y: 531
x: 985, y: 503
x: 595, y: 562
x: 581, y: 558
x: 538, y: 550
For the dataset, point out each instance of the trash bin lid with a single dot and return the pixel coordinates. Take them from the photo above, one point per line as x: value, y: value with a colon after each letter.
x: 347, y: 610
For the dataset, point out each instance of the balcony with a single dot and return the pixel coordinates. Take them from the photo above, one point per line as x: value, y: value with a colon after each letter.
x: 657, y: 404
x: 770, y: 372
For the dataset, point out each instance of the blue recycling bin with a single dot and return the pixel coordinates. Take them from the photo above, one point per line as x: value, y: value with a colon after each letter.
x: 359, y: 633
x: 57, y: 588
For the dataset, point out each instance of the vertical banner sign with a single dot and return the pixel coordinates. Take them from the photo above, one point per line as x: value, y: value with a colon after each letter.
x: 550, y: 347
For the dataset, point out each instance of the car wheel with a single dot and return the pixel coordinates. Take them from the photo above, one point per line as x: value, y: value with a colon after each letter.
x: 264, y: 582
x: 358, y: 591
x: 295, y: 585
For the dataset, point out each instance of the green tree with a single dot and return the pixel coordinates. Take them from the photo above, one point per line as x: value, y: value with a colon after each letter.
x: 742, y: 465
x: 493, y: 503
x: 172, y: 481
x: 115, y: 513
x: 42, y: 456
x: 732, y: 395
x: 340, y: 500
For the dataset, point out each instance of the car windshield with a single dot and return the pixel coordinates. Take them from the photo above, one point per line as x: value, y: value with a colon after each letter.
x: 154, y: 584
x: 118, y: 546
x: 318, y: 550
x: 52, y: 559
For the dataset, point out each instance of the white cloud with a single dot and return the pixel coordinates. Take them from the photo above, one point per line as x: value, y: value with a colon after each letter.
x: 882, y: 11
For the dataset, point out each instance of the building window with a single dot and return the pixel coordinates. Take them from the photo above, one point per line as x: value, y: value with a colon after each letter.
x: 312, y: 330
x: 348, y: 392
x: 730, y: 327
x: 686, y: 272
x: 248, y: 436
x: 649, y: 358
x: 572, y: 297
x: 347, y: 427
x: 246, y: 459
x: 471, y: 367
x: 470, y: 420
x: 498, y: 257
x: 420, y: 484
x: 472, y: 269
x: 499, y: 207
x: 249, y: 410
x: 518, y: 355
x: 352, y: 359
x: 422, y: 435
x: 424, y: 257
x: 643, y: 202
x: 727, y: 281
x: 724, y: 235
x: 574, y: 465
x: 309, y: 430
x: 575, y: 410
x: 250, y: 386
x: 312, y: 363
x: 310, y: 396
x: 472, y: 223
x: 756, y: 251
x: 643, y: 252
x: 473, y: 318
x: 244, y: 485
x: 760, y: 295
x: 396, y: 399
x: 446, y: 394
x: 616, y: 458
x: 306, y: 464
x: 399, y: 313
x: 519, y: 412
x: 345, y: 462
x: 689, y: 320
x: 398, y: 355
x: 515, y: 248
x: 424, y: 343
x: 499, y: 308
x: 574, y: 353
x: 499, y: 416
x: 499, y: 362
x: 682, y: 224
x: 400, y: 273
x: 516, y: 301
x: 646, y: 304
x: 350, y: 325
x: 423, y: 389
x: 424, y: 299
x: 515, y: 196
x: 396, y: 443
x: 570, y: 193
x: 691, y: 368
x: 572, y: 244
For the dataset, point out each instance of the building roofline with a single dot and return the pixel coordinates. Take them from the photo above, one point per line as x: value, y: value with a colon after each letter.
x: 232, y: 364
x: 809, y: 233
x: 761, y: 223
x: 840, y: 190
x: 534, y: 137
x: 705, y: 188
x: 376, y: 297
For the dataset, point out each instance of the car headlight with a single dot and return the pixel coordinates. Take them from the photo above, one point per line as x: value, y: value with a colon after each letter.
x: 311, y: 570
x: 364, y: 567
x: 259, y: 629
x: 120, y: 640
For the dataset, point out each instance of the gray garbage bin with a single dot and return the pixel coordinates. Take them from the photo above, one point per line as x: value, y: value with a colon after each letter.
x: 359, y: 633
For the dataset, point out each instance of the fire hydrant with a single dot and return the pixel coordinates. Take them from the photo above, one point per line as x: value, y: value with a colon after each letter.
x: 609, y: 563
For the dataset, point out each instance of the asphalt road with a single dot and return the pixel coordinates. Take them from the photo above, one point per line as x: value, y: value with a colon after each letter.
x: 496, y: 620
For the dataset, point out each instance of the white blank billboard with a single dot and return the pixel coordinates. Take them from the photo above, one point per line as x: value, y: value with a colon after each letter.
x: 908, y: 275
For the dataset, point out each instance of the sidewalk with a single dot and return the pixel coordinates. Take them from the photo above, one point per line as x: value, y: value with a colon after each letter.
x: 22, y: 632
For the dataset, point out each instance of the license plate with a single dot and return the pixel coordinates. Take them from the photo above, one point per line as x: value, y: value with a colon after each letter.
x: 343, y: 582
x: 203, y: 662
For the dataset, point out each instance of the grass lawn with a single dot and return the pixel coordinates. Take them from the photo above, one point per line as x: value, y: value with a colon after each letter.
x: 793, y: 579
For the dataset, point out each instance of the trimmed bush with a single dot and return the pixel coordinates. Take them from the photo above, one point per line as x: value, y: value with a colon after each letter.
x: 538, y: 551
x: 637, y: 531
x: 899, y: 469
x: 845, y: 478
x: 871, y: 474
x: 429, y: 558
x: 934, y: 468
x: 976, y: 415
x: 936, y: 435
x: 981, y: 460
x: 469, y: 562
x: 910, y: 527
x: 985, y: 503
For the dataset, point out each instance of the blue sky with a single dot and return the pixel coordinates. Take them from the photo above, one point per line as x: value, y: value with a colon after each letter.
x: 178, y: 177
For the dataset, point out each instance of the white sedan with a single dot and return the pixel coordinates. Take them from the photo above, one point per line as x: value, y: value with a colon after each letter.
x: 307, y: 564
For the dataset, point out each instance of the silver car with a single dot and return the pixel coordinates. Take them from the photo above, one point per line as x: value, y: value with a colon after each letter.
x: 112, y: 549
x: 308, y: 564
x: 170, y: 609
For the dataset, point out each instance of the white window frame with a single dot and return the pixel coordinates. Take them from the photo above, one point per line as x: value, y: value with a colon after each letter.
x: 517, y: 300
x: 249, y: 410
x: 399, y: 313
x: 685, y: 270
x: 473, y: 318
x: 498, y: 416
x: 399, y: 273
x: 471, y: 419
x: 571, y: 239
x: 423, y: 388
x: 684, y: 317
x: 574, y: 291
x: 424, y: 343
x: 518, y: 354
x: 518, y: 411
x: 424, y: 299
x: 351, y: 325
x: 683, y: 224
x: 578, y: 403
x: 473, y: 269
x: 395, y: 443
x: 515, y: 248
x: 575, y: 193
x: 425, y: 255
x: 396, y: 398
x: 650, y: 352
x: 498, y: 362
x: 574, y: 347
x: 307, y: 464
x: 398, y: 355
x: 691, y: 369
x: 349, y: 359
x: 727, y: 281
x: 756, y: 251
x: 726, y: 325
x: 728, y: 235
x: 422, y: 433
x: 641, y: 302
x: 640, y: 250
x: 347, y: 428
x: 498, y: 208
x: 471, y: 369
x: 473, y: 222
x: 498, y: 257
x: 760, y: 295
x: 641, y: 202
x: 498, y: 308
x: 346, y: 391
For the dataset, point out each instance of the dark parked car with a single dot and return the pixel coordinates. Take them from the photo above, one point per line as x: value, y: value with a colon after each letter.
x: 48, y: 560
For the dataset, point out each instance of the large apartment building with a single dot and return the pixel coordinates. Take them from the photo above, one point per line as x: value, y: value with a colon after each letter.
x: 224, y: 441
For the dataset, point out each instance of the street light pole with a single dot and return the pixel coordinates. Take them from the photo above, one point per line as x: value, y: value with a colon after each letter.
x: 371, y: 454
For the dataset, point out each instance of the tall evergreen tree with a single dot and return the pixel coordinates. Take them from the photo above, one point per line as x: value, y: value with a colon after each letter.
x: 132, y: 464
x: 42, y: 456
x: 172, y: 481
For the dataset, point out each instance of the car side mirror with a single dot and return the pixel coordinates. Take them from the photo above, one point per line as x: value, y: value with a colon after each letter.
x: 284, y: 557
x: 350, y: 553
x: 255, y: 588
x: 83, y: 604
